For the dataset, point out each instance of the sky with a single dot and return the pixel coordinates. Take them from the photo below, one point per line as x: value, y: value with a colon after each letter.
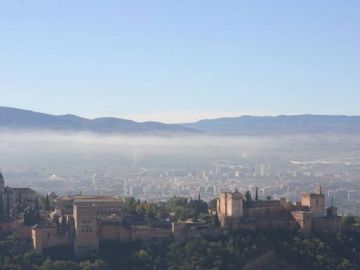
x: 180, y: 61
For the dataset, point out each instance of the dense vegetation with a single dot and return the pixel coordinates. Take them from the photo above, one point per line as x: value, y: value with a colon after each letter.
x: 208, y: 248
x: 238, y: 250
x: 181, y: 208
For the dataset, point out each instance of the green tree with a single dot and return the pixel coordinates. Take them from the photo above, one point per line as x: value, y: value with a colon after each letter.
x: 345, y: 265
x: 47, y: 203
x: 36, y: 204
x: 96, y: 265
x: 349, y: 220
x: 248, y: 200
x: 58, y: 265
x: 213, y: 204
x: 8, y: 206
x: 2, y: 212
x: 142, y: 260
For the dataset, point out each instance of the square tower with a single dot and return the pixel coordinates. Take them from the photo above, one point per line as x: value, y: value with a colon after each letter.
x: 315, y: 202
x: 88, y: 210
x: 86, y: 228
x: 230, y: 204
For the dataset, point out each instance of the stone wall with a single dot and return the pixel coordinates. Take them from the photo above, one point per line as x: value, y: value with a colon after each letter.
x: 266, y: 213
x: 114, y: 232
x: 8, y: 227
x: 304, y: 219
x: 48, y: 237
x: 327, y: 224
x: 145, y: 233
x: 268, y: 203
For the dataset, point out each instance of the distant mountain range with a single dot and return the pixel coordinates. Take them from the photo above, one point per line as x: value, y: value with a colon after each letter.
x: 18, y: 119
x: 283, y: 124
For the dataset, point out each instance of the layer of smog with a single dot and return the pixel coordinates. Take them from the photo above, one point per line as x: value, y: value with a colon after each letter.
x: 155, y: 168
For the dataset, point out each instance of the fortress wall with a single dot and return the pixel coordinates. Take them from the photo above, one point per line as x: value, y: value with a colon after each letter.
x: 266, y: 213
x: 23, y: 232
x: 327, y: 224
x: 145, y: 233
x: 160, y: 233
x: 8, y: 227
x: 263, y: 204
x: 114, y: 232
x: 259, y: 225
x: 140, y: 233
x: 48, y: 237
x: 303, y: 219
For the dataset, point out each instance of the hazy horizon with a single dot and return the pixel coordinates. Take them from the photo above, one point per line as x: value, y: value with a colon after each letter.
x: 176, y: 122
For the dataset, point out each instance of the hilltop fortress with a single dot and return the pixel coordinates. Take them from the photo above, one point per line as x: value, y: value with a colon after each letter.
x: 82, y: 222
x: 308, y: 215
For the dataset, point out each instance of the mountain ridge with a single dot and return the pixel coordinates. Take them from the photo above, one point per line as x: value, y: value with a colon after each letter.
x: 306, y: 123
x: 20, y: 119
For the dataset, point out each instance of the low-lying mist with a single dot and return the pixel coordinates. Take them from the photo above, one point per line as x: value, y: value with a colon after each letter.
x: 18, y: 145
x: 27, y: 157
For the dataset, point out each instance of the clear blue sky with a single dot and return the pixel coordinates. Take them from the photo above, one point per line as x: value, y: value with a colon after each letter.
x: 180, y: 60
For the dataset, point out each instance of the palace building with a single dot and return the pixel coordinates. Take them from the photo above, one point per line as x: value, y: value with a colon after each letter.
x: 91, y: 220
x: 12, y: 196
x: 308, y: 215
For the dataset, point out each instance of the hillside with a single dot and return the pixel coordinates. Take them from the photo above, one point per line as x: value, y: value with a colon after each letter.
x: 296, y: 124
x: 18, y: 119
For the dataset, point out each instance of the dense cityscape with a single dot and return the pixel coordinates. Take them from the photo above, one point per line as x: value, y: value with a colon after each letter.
x: 156, y: 169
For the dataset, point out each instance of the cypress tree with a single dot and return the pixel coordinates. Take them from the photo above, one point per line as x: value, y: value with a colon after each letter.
x: 7, y: 204
x: 248, y: 198
x: 36, y: 206
x: 36, y: 218
x: 1, y: 205
x: 47, y: 203
x: 20, y: 197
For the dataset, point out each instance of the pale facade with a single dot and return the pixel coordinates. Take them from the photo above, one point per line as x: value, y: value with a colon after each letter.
x: 315, y: 202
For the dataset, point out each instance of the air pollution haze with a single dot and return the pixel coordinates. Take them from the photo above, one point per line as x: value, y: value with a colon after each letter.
x: 33, y: 157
